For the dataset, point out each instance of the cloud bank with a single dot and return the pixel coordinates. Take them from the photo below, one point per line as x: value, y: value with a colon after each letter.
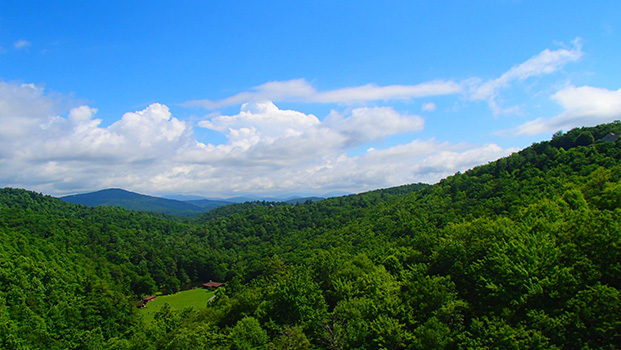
x: 268, y: 150
x: 271, y: 150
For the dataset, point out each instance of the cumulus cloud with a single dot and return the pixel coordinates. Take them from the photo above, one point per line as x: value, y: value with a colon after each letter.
x: 262, y: 133
x: 137, y: 136
x: 263, y: 122
x: 584, y: 106
x: 23, y: 106
x: 367, y: 124
x: 299, y: 90
x: 43, y: 150
x: 22, y: 44
x: 546, y: 62
x: 265, y: 117
x: 267, y: 150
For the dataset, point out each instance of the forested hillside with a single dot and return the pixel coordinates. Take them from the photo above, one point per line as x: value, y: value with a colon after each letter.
x: 521, y: 253
x: 116, y: 197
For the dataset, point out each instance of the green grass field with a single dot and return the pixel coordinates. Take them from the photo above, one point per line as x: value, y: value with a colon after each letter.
x: 196, y: 298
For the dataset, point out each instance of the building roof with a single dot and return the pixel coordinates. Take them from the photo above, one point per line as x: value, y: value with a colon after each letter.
x: 611, y: 137
x: 212, y: 284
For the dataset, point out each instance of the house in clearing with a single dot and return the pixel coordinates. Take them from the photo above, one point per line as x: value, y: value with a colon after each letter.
x: 145, y: 300
x: 213, y: 285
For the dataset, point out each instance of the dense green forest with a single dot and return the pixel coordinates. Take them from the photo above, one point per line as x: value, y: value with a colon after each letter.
x: 521, y: 253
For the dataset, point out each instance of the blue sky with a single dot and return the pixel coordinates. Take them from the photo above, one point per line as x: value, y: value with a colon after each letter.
x: 309, y: 97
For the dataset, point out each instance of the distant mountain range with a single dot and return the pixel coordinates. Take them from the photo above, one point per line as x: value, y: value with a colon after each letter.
x: 116, y: 197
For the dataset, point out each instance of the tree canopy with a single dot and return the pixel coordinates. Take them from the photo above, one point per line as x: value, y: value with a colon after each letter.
x: 523, y: 252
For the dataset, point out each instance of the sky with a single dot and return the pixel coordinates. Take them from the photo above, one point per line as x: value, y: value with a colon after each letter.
x: 221, y: 99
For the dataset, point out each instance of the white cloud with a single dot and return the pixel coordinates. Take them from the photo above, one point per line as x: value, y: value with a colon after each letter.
x: 22, y: 44
x: 262, y: 123
x: 300, y: 90
x: 265, y: 117
x: 546, y: 62
x: 23, y: 107
x: 584, y: 106
x: 429, y: 107
x: 263, y: 135
x: 367, y: 124
x: 417, y: 161
x: 447, y: 162
x: 44, y: 151
x: 267, y: 149
x: 150, y: 126
x: 138, y: 136
x: 373, y: 92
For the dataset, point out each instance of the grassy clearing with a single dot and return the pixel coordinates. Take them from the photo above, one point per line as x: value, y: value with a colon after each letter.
x: 196, y: 298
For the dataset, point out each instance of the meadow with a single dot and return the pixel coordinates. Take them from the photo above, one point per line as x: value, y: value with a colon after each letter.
x: 196, y: 298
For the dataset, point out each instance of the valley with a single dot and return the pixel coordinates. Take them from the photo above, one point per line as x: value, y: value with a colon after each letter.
x: 523, y: 252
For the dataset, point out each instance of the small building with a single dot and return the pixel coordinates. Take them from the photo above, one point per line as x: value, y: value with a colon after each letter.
x: 212, y: 284
x: 143, y: 303
x: 611, y: 137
